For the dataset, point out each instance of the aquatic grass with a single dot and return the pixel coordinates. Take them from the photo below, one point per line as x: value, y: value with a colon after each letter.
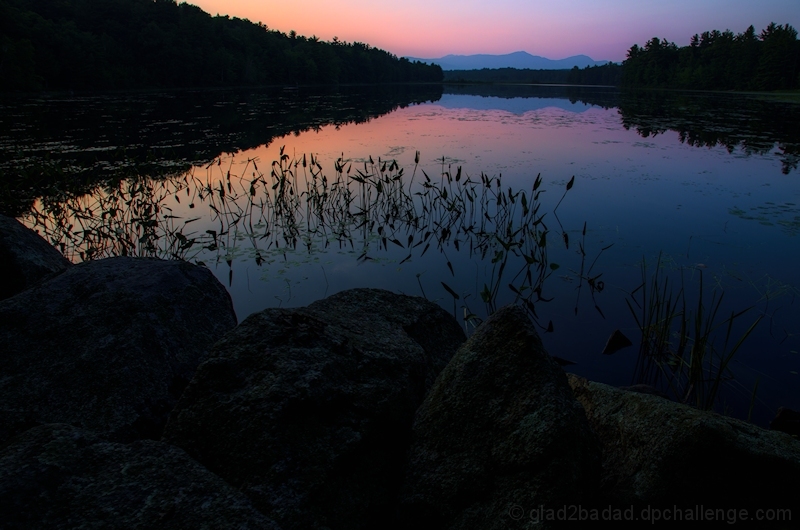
x: 686, y: 348
x: 290, y: 208
x: 290, y: 211
x: 594, y: 283
x: 127, y: 219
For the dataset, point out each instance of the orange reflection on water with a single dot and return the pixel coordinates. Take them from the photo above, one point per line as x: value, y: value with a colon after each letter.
x: 490, y: 141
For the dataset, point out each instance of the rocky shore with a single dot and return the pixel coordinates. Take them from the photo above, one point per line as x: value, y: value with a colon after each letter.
x: 130, y: 398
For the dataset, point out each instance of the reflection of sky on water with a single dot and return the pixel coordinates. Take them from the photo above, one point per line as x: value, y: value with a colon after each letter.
x: 735, y: 215
x: 643, y: 195
x: 512, y: 105
x: 492, y: 141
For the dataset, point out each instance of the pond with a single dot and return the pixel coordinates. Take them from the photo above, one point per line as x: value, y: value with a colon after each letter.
x: 563, y: 199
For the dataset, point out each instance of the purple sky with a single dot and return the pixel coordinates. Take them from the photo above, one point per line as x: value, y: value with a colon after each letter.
x: 603, y: 30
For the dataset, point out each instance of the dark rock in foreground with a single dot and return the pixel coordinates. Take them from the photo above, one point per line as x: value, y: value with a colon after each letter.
x: 645, y: 389
x: 786, y: 420
x: 308, y: 411
x: 58, y: 476
x: 660, y: 453
x: 107, y: 345
x: 25, y: 258
x: 499, y: 435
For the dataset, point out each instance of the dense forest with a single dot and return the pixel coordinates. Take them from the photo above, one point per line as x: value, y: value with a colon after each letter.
x: 714, y: 60
x: 506, y: 75
x: 718, y: 61
x: 123, y: 44
x: 608, y: 74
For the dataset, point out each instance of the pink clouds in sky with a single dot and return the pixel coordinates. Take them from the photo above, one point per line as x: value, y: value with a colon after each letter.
x: 604, y: 30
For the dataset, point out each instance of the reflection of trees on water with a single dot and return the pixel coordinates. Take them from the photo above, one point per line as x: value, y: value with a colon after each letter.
x: 606, y: 97
x: 292, y: 207
x: 75, y: 143
x: 735, y: 122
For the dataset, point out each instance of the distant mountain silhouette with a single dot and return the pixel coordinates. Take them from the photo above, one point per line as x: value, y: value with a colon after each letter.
x: 509, y: 60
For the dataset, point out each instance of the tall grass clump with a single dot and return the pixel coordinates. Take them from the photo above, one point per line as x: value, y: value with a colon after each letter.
x: 291, y: 206
x: 687, y: 344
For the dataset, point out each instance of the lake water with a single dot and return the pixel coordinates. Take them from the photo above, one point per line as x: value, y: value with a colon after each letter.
x: 707, y: 183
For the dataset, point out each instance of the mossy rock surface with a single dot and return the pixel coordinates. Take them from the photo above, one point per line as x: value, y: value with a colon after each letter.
x: 308, y: 411
x: 108, y: 345
x: 661, y: 453
x: 499, y: 435
x: 26, y: 259
x: 60, y: 477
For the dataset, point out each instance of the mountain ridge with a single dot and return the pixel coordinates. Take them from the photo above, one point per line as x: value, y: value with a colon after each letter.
x: 519, y: 59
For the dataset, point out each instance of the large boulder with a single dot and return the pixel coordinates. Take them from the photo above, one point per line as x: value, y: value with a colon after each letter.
x: 107, y: 345
x: 308, y: 411
x: 661, y: 453
x: 25, y: 258
x: 500, y: 441
x: 59, y: 476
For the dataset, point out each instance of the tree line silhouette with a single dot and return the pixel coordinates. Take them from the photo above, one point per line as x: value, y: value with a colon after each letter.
x: 718, y: 60
x: 713, y: 60
x: 124, y: 44
x: 608, y: 74
x: 507, y: 75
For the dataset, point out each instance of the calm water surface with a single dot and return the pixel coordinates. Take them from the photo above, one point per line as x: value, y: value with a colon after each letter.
x: 707, y: 182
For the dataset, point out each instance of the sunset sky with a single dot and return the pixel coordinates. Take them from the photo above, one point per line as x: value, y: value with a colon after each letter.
x: 603, y: 30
